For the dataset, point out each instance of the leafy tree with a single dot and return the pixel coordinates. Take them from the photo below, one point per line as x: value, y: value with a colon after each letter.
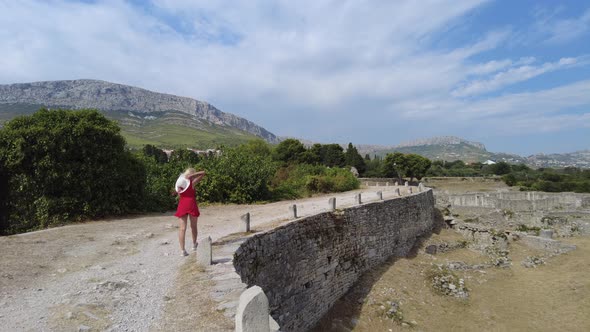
x: 158, y: 154
x: 500, y: 168
x: 67, y: 165
x: 289, y: 151
x: 354, y: 159
x: 395, y: 165
x: 257, y: 147
x: 185, y: 157
x: 405, y: 165
x: 417, y: 166
x: 333, y: 155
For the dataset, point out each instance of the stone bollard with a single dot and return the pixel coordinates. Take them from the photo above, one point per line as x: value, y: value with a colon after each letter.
x: 396, y: 183
x: 387, y: 184
x: 293, y: 210
x: 410, y: 190
x: 204, y: 253
x: 357, y: 198
x: 332, y: 204
x: 397, y: 192
x: 420, y: 187
x: 406, y: 183
x: 380, y: 195
x: 246, y: 222
x: 252, y: 314
x: 546, y: 233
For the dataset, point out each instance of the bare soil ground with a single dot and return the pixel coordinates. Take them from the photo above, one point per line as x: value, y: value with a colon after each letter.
x: 126, y: 274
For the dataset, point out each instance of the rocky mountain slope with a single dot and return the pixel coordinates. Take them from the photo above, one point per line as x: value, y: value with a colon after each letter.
x: 129, y: 104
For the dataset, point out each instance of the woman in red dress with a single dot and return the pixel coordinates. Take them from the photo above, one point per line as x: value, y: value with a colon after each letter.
x: 187, y: 205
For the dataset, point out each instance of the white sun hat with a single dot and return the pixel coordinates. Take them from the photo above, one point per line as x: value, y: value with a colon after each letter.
x: 182, y: 184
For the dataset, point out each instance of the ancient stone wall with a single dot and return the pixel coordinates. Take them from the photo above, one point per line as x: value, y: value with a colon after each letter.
x: 304, y: 267
x: 521, y: 201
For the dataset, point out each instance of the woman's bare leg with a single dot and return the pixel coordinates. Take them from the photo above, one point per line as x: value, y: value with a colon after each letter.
x: 182, y: 231
x: 194, y: 229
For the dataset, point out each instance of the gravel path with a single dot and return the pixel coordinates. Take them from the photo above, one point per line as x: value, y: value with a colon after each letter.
x: 118, y: 275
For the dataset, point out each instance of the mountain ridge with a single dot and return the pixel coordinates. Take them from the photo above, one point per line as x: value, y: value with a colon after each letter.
x: 108, y: 96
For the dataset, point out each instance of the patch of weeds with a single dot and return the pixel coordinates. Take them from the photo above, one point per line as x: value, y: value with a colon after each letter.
x: 529, y: 229
x: 462, y: 243
x: 499, y: 257
x: 446, y: 212
x: 498, y: 234
x: 446, y: 282
x: 533, y: 261
x: 392, y: 310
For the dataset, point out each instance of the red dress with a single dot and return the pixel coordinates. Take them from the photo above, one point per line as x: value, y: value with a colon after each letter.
x: 187, y: 203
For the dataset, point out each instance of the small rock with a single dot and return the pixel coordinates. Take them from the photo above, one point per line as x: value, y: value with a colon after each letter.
x: 62, y: 270
x: 149, y: 235
x: 413, y: 323
x: 69, y: 315
x: 83, y: 328
x: 431, y: 249
x: 165, y: 243
x: 404, y: 324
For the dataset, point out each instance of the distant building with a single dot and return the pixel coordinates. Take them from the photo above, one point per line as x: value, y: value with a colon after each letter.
x: 489, y: 162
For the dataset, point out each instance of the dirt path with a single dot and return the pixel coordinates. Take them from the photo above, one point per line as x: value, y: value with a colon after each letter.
x: 119, y: 275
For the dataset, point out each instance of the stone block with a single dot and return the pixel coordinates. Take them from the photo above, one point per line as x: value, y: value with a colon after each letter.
x: 204, y: 252
x: 252, y: 314
x: 546, y: 233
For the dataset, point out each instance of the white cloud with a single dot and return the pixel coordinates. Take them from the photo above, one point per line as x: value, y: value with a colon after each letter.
x: 565, y: 30
x: 511, y: 75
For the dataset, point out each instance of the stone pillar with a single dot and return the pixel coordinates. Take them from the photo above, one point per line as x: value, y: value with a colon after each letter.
x: 357, y: 198
x: 246, y: 222
x: 396, y: 183
x: 252, y: 313
x: 332, y: 204
x: 397, y: 192
x: 204, y: 253
x: 293, y: 211
x: 406, y: 183
x: 379, y: 195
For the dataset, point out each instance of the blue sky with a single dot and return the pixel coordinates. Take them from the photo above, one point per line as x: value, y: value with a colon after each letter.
x: 514, y: 75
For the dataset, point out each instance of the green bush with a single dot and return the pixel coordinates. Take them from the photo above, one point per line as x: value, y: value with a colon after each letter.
x: 66, y: 165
